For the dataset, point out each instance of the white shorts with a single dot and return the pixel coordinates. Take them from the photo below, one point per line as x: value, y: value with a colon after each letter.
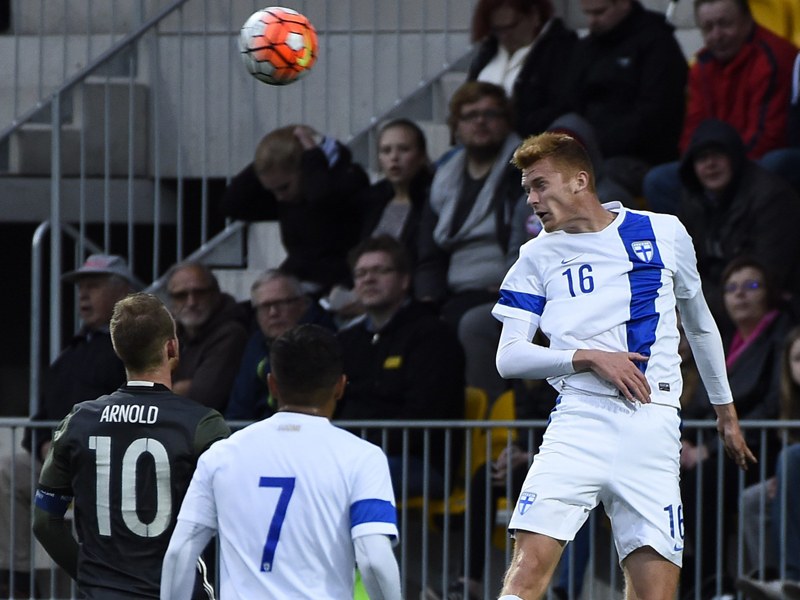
x: 607, y: 450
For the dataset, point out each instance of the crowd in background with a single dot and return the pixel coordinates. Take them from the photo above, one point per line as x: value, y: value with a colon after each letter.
x: 406, y: 269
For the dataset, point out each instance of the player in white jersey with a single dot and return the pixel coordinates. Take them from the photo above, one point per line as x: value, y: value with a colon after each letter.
x: 603, y: 283
x: 296, y: 502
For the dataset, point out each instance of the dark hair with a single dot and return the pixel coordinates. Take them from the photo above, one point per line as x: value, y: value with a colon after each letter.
x: 774, y: 296
x: 305, y: 360
x: 408, y: 124
x: 473, y: 91
x: 742, y: 5
x: 484, y: 8
x: 140, y: 326
x: 382, y: 243
x: 790, y: 389
x: 566, y: 152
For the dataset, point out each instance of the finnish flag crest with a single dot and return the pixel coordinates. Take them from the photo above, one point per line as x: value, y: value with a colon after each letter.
x: 525, y: 501
x: 644, y: 250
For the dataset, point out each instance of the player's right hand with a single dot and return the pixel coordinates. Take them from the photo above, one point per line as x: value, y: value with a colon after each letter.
x: 618, y: 368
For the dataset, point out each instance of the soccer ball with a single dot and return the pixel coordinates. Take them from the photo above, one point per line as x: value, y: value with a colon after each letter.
x: 278, y: 45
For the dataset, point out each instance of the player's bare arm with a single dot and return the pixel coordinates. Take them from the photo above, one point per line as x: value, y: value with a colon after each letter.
x: 618, y: 368
x: 731, y: 434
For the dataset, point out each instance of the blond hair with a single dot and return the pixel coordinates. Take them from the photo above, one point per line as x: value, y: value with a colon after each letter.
x: 567, y: 153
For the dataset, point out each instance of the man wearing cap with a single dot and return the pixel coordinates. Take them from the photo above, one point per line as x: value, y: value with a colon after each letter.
x: 85, y: 369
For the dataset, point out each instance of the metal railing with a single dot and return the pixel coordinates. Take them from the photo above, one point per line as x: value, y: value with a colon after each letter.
x: 146, y: 112
x: 436, y: 535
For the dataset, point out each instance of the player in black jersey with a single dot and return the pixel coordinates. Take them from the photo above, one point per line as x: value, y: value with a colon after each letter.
x: 126, y: 460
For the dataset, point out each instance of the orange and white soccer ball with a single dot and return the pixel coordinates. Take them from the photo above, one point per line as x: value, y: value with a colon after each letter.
x: 278, y: 45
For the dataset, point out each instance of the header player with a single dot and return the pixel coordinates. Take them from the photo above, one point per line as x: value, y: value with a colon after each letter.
x: 603, y: 283
x: 127, y: 459
x: 296, y: 502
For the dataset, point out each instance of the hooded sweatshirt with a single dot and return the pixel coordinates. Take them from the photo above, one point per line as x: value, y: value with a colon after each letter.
x: 756, y: 214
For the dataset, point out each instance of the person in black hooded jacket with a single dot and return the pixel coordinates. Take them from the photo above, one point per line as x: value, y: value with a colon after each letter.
x: 732, y: 206
x: 628, y: 79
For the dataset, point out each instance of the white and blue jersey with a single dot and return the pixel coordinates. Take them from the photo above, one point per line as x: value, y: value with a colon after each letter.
x: 612, y: 290
x: 287, y: 496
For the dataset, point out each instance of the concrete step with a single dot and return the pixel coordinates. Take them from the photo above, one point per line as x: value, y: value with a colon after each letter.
x: 106, y: 113
x: 27, y: 200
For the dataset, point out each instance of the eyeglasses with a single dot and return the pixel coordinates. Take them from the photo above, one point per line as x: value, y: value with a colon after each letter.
x: 488, y: 115
x: 745, y: 286
x: 362, y: 273
x: 183, y: 295
x: 277, y: 304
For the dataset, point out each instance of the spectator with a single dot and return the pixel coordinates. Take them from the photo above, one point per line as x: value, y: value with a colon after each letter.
x: 125, y: 461
x: 627, y: 79
x: 732, y: 206
x: 402, y: 362
x: 85, y: 369
x: 392, y: 205
x: 742, y: 76
x: 523, y: 48
x: 753, y: 305
x: 211, y: 333
x: 279, y: 303
x: 466, y: 225
x: 309, y: 184
x: 768, y: 522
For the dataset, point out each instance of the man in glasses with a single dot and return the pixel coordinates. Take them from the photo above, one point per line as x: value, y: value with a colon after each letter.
x: 280, y: 303
x: 401, y: 362
x: 211, y: 332
x: 465, y: 227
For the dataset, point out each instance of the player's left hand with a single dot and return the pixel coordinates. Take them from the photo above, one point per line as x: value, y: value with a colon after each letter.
x: 730, y: 432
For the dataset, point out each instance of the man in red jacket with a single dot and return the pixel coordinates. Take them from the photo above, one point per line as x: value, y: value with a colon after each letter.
x: 742, y: 76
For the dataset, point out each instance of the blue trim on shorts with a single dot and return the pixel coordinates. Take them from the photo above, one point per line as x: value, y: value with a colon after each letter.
x: 50, y: 502
x: 644, y: 277
x: 529, y: 302
x: 554, y: 409
x: 372, y: 510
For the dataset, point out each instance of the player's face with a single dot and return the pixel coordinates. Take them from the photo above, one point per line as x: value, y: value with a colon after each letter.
x: 482, y: 125
x: 378, y: 284
x: 794, y: 361
x: 284, y: 186
x: 193, y: 297
x: 745, y: 296
x: 97, y: 295
x: 724, y: 28
x: 603, y: 15
x: 551, y: 195
x: 278, y: 308
x: 400, y: 156
x: 713, y: 169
